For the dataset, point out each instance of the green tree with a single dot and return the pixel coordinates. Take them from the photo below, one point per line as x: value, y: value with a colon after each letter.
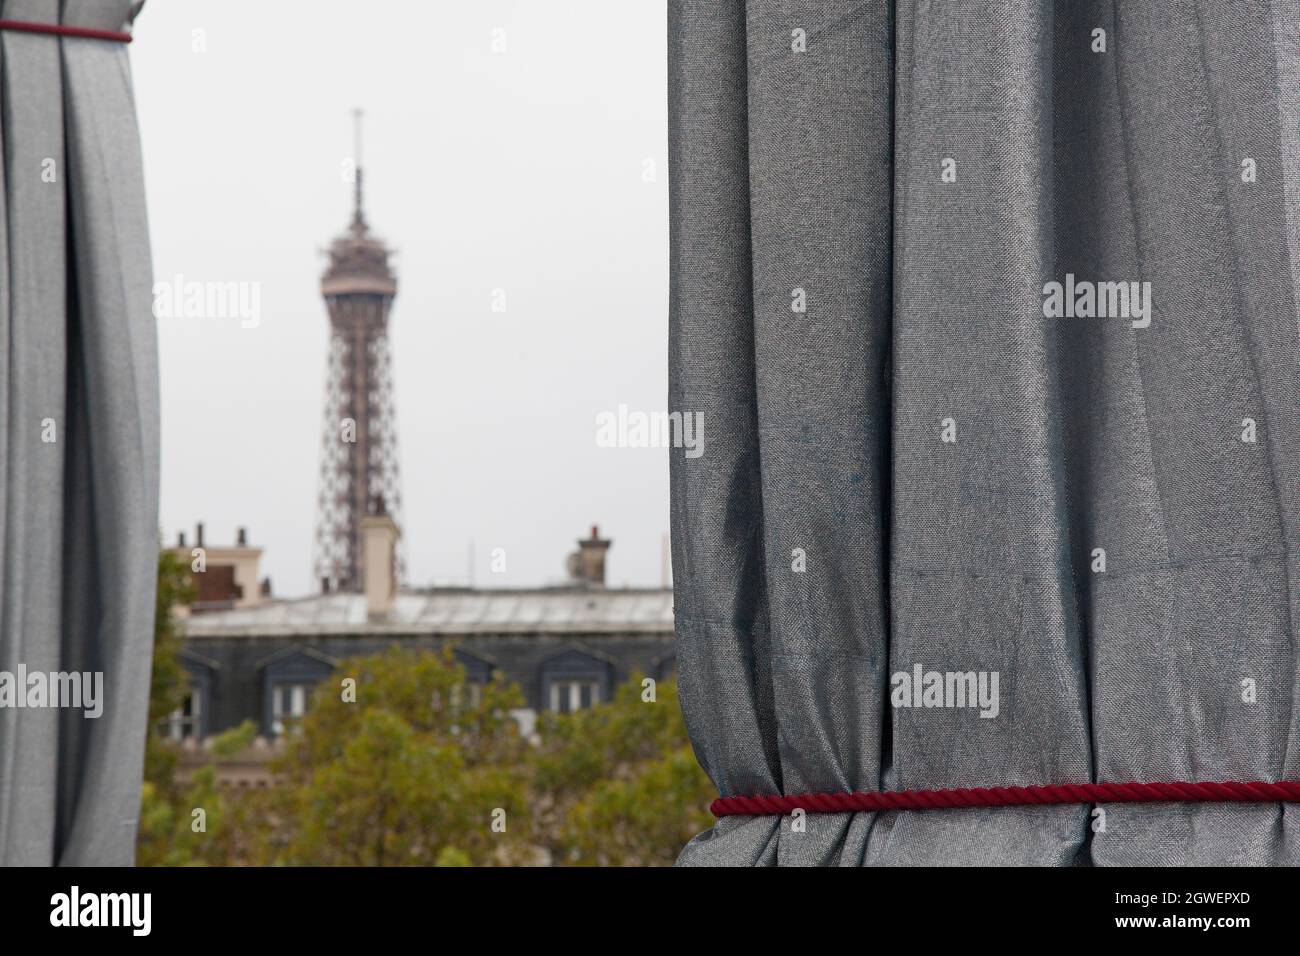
x: 409, y: 764
x: 415, y: 771
x: 186, y: 820
x: 161, y: 795
x: 169, y: 683
x: 618, y: 784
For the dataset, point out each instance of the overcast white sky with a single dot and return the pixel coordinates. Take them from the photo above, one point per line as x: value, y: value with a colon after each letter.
x: 521, y: 170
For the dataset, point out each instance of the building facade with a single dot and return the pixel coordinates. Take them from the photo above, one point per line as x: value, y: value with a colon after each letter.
x: 566, y: 647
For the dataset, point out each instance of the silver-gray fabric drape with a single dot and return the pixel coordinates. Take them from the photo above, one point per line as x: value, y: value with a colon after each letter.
x: 914, y: 459
x: 78, y: 435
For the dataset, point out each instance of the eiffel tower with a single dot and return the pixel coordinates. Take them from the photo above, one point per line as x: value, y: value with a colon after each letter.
x: 358, y: 465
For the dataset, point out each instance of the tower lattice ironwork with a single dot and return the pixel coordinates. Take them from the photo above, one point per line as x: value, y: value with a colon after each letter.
x: 358, y: 467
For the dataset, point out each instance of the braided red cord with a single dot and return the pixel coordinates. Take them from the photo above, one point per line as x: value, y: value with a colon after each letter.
x: 60, y: 30
x: 1055, y: 793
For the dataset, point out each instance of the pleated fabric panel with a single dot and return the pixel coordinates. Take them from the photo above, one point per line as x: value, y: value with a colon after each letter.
x: 909, y: 463
x: 78, y: 363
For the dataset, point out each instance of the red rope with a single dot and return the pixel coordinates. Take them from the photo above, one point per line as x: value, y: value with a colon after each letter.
x: 1174, y: 792
x: 61, y: 30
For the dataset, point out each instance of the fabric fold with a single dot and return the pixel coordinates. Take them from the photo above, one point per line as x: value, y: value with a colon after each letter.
x: 1016, y: 395
x: 79, y: 435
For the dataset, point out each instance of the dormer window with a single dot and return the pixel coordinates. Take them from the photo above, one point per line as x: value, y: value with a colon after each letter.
x: 574, y: 680
x: 288, y: 704
x: 568, y: 696
x: 186, y: 721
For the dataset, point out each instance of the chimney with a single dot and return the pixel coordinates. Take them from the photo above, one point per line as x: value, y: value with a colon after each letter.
x: 591, y: 558
x: 378, y: 563
x: 198, y: 535
x: 180, y: 540
x: 241, y: 537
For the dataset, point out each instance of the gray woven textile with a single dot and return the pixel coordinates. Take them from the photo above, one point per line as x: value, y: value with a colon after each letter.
x: 949, y: 455
x: 78, y: 515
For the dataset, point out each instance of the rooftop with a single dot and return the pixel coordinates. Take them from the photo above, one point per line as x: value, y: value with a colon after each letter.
x: 452, y: 611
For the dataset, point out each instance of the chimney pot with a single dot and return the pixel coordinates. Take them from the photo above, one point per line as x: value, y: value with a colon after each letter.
x: 198, y: 534
x: 180, y: 539
x: 589, y: 568
x: 379, y: 535
x: 241, y: 536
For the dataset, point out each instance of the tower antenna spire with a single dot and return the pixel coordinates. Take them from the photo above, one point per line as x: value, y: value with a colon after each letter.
x: 358, y: 217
